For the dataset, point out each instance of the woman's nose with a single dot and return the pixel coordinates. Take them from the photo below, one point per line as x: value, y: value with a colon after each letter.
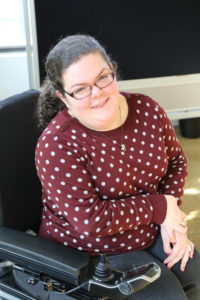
x: 96, y: 91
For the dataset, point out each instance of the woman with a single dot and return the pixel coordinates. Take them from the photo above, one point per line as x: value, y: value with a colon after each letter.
x: 112, y: 170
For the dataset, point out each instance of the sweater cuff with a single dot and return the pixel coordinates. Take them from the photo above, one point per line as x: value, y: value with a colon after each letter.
x: 159, y: 204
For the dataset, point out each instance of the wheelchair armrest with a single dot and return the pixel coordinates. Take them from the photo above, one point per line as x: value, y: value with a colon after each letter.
x: 43, y: 256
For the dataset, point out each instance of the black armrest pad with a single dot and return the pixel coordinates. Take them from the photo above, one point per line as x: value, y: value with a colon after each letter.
x: 43, y: 256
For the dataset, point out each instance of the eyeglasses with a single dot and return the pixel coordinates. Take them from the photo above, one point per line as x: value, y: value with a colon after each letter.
x: 83, y: 92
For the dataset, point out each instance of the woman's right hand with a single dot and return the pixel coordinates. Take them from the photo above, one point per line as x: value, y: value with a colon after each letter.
x: 174, y: 219
x: 181, y: 251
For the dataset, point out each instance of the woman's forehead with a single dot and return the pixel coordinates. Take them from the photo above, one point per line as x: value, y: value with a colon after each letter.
x: 86, y: 69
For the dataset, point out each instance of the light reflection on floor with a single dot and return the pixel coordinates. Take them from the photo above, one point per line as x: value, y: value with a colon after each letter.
x: 192, y: 191
x: 191, y: 197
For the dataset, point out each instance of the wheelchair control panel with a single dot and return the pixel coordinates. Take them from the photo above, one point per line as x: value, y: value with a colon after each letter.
x: 119, y: 285
x: 103, y: 283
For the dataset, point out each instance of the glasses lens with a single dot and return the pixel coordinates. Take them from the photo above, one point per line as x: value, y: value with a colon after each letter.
x: 105, y: 80
x: 82, y: 92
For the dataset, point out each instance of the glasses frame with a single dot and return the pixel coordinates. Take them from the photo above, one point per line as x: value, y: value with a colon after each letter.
x: 91, y: 86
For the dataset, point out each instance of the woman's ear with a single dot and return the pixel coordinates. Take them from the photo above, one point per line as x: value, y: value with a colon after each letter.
x: 61, y: 96
x: 64, y: 100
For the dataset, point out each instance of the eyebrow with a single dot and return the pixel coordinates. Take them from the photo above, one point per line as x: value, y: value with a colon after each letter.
x: 77, y: 84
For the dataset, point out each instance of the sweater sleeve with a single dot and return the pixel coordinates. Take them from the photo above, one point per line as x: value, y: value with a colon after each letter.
x: 69, y: 193
x: 173, y: 181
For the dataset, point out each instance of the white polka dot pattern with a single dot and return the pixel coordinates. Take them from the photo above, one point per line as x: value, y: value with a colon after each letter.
x: 99, y: 199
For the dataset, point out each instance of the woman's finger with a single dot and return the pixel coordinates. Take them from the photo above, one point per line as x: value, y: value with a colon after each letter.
x: 177, y: 258
x: 166, y: 239
x: 180, y: 228
x: 174, y: 256
x: 190, y: 249
x: 185, y: 259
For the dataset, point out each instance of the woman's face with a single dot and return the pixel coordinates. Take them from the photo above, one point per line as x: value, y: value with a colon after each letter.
x: 100, y: 110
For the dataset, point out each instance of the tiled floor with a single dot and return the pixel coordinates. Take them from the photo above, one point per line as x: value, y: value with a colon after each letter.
x: 191, y: 198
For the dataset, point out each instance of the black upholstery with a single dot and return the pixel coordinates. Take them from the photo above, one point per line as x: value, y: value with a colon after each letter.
x: 40, y: 255
x: 20, y: 191
x: 20, y: 204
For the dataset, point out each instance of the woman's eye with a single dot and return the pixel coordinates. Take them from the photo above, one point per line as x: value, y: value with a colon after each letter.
x: 103, y: 77
x: 80, y: 90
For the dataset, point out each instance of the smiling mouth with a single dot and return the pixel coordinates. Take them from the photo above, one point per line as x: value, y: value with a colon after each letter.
x: 100, y: 104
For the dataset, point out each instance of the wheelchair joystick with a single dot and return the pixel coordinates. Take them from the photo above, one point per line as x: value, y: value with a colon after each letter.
x: 103, y: 270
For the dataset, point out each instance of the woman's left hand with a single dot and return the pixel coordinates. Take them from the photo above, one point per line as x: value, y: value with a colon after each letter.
x: 183, y: 249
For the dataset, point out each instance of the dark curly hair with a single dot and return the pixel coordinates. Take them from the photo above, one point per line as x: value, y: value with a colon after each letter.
x: 66, y: 52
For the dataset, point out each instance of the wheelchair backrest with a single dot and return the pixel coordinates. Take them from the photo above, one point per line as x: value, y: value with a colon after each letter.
x: 20, y: 190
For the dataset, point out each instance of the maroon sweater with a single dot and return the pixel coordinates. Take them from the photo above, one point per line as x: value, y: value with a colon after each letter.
x: 97, y: 198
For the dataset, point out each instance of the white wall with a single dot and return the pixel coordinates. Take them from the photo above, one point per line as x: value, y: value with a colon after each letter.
x: 13, y: 73
x: 178, y: 95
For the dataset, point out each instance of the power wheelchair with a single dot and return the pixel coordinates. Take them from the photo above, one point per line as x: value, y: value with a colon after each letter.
x: 30, y: 267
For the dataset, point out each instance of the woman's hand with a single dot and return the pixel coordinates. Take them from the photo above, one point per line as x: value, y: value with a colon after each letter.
x: 174, y: 219
x: 182, y: 250
x: 166, y: 239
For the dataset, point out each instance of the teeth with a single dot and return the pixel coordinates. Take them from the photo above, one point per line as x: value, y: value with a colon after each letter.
x: 99, y: 104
